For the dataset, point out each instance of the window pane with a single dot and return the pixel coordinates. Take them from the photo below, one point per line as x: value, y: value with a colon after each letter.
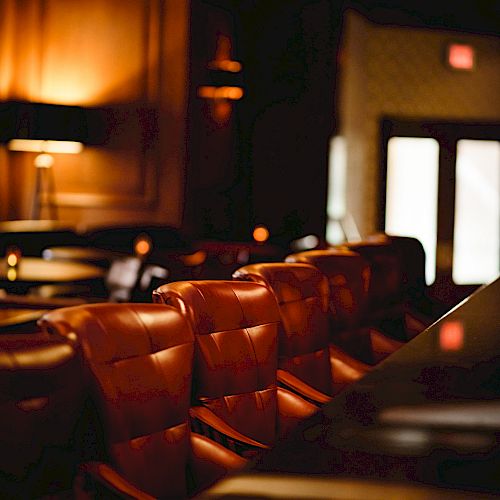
x: 477, y: 213
x: 411, y: 197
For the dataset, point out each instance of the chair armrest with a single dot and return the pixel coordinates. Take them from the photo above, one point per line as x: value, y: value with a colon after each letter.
x: 224, y: 430
x: 303, y: 389
x: 382, y: 345
x: 292, y: 410
x: 210, y: 461
x: 345, y: 368
x: 103, y: 481
x: 415, y: 323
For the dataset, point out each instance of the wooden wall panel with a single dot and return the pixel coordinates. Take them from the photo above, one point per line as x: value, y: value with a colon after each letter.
x: 108, y: 55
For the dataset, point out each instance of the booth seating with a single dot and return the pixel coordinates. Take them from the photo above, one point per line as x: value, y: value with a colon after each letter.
x: 41, y: 400
x: 236, y: 325
x: 139, y: 360
x: 348, y: 275
x: 387, y: 308
x: 305, y: 350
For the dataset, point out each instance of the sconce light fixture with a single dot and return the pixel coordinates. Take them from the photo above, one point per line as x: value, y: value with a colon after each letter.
x: 45, y: 129
x: 224, y: 79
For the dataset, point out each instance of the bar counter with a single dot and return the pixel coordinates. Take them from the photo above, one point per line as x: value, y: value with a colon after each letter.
x: 425, y: 423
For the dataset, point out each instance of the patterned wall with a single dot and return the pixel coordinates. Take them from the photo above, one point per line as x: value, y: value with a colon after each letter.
x: 400, y: 71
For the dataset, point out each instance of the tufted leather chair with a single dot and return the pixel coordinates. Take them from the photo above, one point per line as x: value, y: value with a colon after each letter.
x: 348, y: 275
x: 301, y: 292
x: 386, y: 307
x: 139, y: 363
x: 41, y: 399
x: 236, y: 326
x: 415, y: 291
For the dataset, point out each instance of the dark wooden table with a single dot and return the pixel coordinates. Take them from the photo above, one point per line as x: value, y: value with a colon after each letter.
x: 33, y: 271
x: 425, y: 423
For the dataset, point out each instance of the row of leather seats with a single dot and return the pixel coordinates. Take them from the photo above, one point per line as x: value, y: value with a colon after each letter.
x: 240, y: 361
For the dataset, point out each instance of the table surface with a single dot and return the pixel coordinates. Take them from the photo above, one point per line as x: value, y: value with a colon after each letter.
x: 427, y: 417
x: 34, y: 269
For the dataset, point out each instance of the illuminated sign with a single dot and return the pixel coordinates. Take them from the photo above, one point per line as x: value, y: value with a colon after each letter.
x: 461, y: 56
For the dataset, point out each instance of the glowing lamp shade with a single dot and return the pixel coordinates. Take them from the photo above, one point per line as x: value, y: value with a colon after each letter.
x: 461, y: 56
x: 41, y: 146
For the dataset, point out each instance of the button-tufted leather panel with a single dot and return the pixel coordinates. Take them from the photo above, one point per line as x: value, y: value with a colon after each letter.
x: 140, y: 359
x: 302, y: 295
x: 386, y: 273
x: 236, y: 327
x: 348, y: 275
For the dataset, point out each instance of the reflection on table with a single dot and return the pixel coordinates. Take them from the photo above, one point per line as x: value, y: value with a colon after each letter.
x: 426, y: 420
x: 31, y: 271
x: 19, y: 313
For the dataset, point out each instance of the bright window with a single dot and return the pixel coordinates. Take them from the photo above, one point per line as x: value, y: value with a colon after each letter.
x: 476, y: 244
x: 412, y: 190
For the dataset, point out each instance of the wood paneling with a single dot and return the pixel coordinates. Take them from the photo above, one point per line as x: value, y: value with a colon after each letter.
x: 110, y: 55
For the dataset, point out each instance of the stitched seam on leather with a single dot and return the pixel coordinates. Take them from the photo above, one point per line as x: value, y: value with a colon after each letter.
x: 302, y: 299
x: 255, y: 357
x: 143, y: 436
x: 249, y: 338
x: 139, y: 319
x: 208, y: 400
x: 219, y: 350
x: 127, y: 358
x: 239, y: 329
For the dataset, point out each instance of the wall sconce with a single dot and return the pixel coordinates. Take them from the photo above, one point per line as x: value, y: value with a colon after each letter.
x: 45, y: 129
x: 224, y: 78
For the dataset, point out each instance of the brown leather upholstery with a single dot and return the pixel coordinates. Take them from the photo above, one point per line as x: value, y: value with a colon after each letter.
x: 348, y: 275
x: 415, y: 291
x: 236, y: 326
x: 139, y: 358
x: 386, y: 309
x: 41, y: 398
x: 302, y: 295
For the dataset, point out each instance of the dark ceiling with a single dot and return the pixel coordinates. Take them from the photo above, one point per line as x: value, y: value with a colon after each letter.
x: 472, y: 16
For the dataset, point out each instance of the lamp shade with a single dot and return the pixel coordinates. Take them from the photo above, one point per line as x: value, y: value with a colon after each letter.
x: 29, y: 120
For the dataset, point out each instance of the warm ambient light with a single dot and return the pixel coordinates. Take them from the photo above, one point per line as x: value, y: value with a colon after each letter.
x: 12, y: 260
x: 451, y: 336
x: 260, y: 234
x: 143, y: 245
x: 461, y: 56
x: 225, y: 65
x: 194, y: 259
x: 40, y: 146
x: 209, y: 92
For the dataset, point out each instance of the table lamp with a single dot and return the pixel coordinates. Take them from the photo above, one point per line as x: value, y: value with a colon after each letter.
x: 45, y: 129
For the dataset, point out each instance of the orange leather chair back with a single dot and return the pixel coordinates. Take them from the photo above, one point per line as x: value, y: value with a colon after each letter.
x: 411, y: 254
x: 140, y: 361
x: 41, y: 399
x: 348, y: 275
x: 301, y: 291
x: 386, y: 274
x: 236, y: 327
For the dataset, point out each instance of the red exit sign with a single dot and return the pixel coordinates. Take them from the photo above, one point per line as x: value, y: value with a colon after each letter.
x: 461, y: 56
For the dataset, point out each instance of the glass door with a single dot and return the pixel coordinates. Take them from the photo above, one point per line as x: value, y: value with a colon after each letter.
x: 441, y: 184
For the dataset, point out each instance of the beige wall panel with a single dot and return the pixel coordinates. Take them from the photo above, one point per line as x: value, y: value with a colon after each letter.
x: 400, y: 72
